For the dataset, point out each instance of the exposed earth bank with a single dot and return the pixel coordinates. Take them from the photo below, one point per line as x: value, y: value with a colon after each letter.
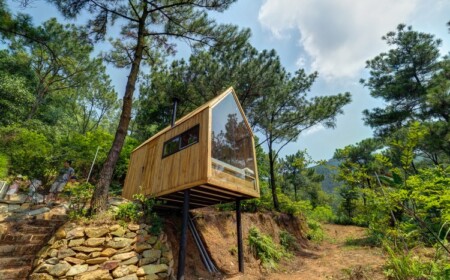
x: 340, y: 256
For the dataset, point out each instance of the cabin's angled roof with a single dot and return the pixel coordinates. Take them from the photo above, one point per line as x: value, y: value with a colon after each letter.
x: 208, y: 104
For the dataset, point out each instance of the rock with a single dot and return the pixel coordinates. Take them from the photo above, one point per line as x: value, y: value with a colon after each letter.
x: 140, y: 247
x: 64, y: 253
x: 95, y: 255
x: 44, y: 267
x: 93, y: 267
x: 74, y: 260
x: 133, y: 227
x: 163, y: 275
x: 133, y: 260
x: 128, y: 277
x: 94, y: 232
x: 59, y: 244
x: 119, y: 232
x: 124, y: 256
x: 132, y: 268
x: 40, y: 276
x: 164, y: 260
x: 145, y: 261
x: 152, y: 240
x: 81, y: 256
x: 75, y: 233
x: 150, y: 277
x: 150, y: 254
x: 60, y: 233
x: 152, y: 269
x: 94, y: 275
x: 118, y: 242
x: 51, y: 241
x: 52, y: 261
x: 97, y: 260
x: 121, y: 271
x: 110, y: 265
x: 130, y: 235
x: 76, y: 242
x: 125, y: 250
x: 77, y: 269
x: 59, y: 269
x: 86, y: 249
x: 53, y: 253
x: 168, y: 254
x: 38, y: 211
x: 114, y: 227
x: 108, y: 252
x: 94, y: 242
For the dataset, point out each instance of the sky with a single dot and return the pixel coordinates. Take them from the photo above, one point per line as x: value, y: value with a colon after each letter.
x: 333, y: 37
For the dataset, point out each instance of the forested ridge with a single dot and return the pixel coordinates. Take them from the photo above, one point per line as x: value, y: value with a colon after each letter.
x: 57, y: 102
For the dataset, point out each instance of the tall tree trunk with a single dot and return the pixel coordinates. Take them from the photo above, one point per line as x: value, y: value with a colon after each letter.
x: 273, y: 185
x: 99, y: 201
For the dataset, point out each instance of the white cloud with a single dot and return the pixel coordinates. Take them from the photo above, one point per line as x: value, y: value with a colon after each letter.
x: 313, y: 130
x: 338, y: 35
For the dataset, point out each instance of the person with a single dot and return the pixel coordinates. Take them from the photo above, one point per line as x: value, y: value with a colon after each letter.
x: 14, y: 187
x: 35, y: 184
x: 64, y: 175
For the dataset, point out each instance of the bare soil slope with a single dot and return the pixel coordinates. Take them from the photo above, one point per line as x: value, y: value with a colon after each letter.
x: 339, y: 256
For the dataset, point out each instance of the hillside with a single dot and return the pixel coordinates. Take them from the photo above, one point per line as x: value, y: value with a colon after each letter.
x: 328, y: 170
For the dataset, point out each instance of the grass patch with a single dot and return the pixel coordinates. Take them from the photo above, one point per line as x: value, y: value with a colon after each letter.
x: 265, y: 249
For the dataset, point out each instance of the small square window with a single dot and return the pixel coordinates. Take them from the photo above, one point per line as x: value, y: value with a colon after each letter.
x: 181, y: 141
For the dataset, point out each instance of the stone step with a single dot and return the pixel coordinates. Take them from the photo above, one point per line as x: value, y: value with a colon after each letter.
x: 23, y: 238
x: 18, y: 250
x: 37, y: 229
x: 18, y: 273
x: 11, y: 262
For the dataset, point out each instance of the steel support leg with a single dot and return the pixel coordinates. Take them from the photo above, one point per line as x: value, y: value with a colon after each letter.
x: 239, y: 236
x: 183, y: 238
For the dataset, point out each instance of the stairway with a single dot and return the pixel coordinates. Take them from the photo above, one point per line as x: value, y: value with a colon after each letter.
x: 21, y: 238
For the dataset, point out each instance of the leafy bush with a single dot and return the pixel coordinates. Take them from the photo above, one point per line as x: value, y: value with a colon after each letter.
x: 3, y: 166
x: 288, y: 241
x: 315, y: 232
x: 141, y: 208
x: 263, y: 248
x: 128, y: 212
x: 79, y: 196
x: 29, y: 152
x: 323, y: 214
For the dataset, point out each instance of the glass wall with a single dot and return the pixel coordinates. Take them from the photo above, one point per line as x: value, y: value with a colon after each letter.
x: 231, y: 141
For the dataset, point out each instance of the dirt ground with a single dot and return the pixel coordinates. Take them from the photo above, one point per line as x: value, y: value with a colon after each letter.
x: 340, y: 256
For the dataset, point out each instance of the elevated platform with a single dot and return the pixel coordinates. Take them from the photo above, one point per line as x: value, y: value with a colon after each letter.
x: 201, y: 196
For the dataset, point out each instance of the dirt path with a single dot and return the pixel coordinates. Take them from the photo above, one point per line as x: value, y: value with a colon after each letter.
x: 341, y: 255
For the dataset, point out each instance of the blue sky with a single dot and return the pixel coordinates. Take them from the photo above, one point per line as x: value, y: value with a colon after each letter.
x: 333, y: 37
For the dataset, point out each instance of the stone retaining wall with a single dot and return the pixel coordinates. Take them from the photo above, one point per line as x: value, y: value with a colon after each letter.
x: 104, y: 252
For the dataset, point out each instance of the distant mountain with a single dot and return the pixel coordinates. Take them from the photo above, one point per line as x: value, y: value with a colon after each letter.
x: 328, y: 170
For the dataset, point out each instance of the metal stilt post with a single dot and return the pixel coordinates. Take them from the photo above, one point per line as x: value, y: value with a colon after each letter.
x: 183, y: 238
x: 239, y: 236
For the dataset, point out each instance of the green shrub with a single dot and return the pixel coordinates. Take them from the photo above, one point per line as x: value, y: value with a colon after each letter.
x: 315, y: 231
x: 323, y: 214
x: 263, y: 248
x: 3, y: 166
x: 141, y: 208
x: 79, y: 196
x: 128, y: 212
x: 288, y: 241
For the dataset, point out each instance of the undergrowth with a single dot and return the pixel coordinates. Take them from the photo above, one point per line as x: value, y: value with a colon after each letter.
x: 265, y: 249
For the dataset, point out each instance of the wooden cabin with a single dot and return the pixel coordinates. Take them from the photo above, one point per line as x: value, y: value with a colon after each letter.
x: 210, y: 151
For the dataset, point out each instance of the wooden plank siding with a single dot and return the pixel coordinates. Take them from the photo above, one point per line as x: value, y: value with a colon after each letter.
x: 158, y: 175
x: 190, y: 168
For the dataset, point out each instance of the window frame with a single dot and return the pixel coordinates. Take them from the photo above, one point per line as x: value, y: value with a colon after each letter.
x: 180, y: 136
